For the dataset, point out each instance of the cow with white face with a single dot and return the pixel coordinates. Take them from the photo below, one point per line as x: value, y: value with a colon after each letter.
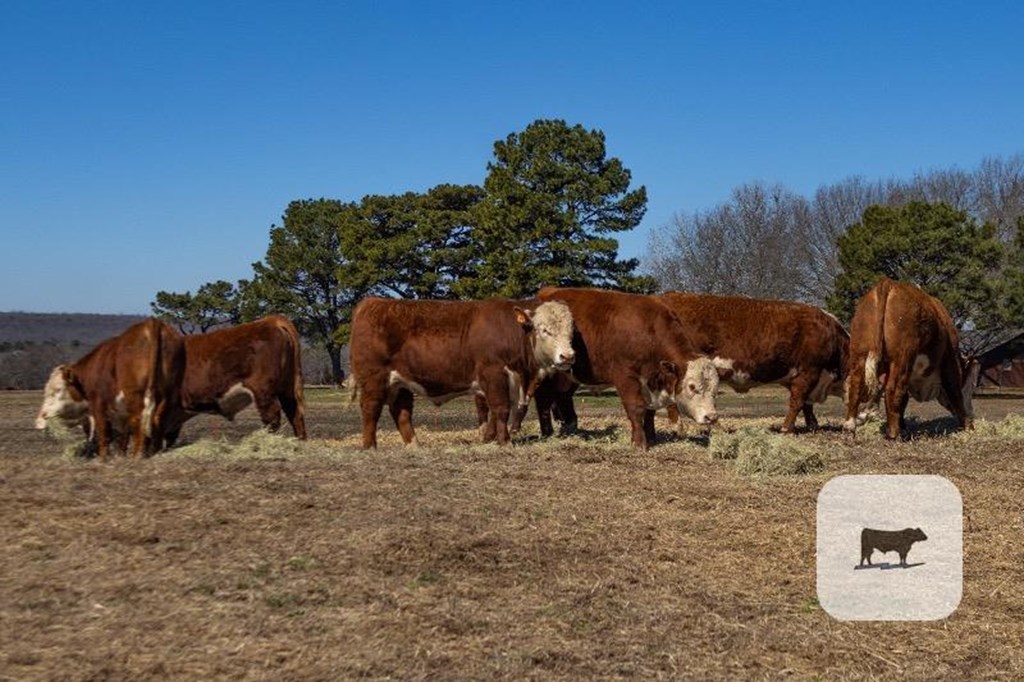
x: 442, y: 349
x: 639, y: 346
x: 128, y: 384
x: 63, y: 401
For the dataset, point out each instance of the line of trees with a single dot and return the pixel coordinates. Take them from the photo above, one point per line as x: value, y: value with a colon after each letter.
x: 549, y: 209
x: 547, y: 213
x: 958, y: 234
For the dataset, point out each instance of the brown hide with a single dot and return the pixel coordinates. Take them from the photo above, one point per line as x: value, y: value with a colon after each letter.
x: 447, y: 348
x: 624, y: 340
x: 264, y: 357
x: 767, y: 341
x: 893, y: 325
x: 145, y: 364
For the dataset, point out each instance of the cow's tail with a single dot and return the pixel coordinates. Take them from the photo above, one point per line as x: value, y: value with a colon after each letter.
x: 288, y: 329
x: 877, y: 344
x: 154, y: 376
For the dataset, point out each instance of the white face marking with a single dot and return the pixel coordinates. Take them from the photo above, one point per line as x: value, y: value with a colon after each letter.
x: 553, y: 326
x: 58, y: 402
x: 234, y: 400
x: 696, y: 391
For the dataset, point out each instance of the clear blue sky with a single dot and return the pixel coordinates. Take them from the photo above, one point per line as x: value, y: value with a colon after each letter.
x: 148, y: 146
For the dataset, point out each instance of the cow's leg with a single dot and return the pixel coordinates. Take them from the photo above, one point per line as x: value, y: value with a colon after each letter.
x: 495, y: 386
x: 484, y: 418
x: 371, y: 404
x: 295, y: 413
x: 544, y: 398
x: 809, y: 418
x: 101, y: 431
x: 270, y: 410
x: 673, y: 414
x: 401, y: 412
x: 896, y: 396
x: 649, y: 426
x: 633, y: 402
x: 799, y: 388
x: 566, y: 411
x: 854, y: 386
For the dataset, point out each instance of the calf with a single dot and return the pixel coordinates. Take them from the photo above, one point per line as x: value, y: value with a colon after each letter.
x: 254, y: 363
x: 757, y: 341
x: 441, y: 349
x: 905, y: 339
x: 129, y: 384
x: 640, y: 347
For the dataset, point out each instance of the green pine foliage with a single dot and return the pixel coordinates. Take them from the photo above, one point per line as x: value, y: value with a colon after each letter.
x: 941, y: 249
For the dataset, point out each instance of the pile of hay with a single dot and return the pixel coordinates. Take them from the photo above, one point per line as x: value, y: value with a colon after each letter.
x: 1010, y: 427
x: 757, y: 452
x: 73, y: 439
x: 260, y: 444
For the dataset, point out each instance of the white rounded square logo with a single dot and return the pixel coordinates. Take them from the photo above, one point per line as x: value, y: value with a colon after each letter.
x: 890, y: 547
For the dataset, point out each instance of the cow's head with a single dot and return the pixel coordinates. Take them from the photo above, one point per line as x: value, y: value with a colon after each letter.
x: 551, y: 327
x: 917, y: 535
x: 63, y: 399
x: 692, y: 388
x: 970, y: 368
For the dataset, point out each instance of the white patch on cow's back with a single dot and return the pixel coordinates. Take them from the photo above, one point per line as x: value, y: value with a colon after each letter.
x: 234, y: 400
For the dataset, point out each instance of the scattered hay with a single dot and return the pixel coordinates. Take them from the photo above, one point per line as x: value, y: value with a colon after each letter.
x: 71, y: 437
x: 260, y: 444
x: 760, y: 453
x: 1010, y: 427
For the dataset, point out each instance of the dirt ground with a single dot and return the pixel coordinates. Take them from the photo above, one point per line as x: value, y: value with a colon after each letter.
x: 568, y: 558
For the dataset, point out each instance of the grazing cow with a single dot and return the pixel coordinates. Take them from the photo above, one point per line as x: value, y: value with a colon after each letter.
x: 640, y: 347
x: 756, y: 341
x: 441, y: 349
x: 128, y: 384
x: 904, y: 338
x: 899, y: 541
x: 259, y: 363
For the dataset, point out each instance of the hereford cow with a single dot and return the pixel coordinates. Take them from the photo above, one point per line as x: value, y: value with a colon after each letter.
x: 756, y: 341
x: 640, y: 347
x: 254, y: 363
x: 127, y: 384
x: 441, y: 349
x: 904, y: 338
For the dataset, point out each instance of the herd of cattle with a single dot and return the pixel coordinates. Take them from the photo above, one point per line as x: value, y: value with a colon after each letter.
x: 664, y: 351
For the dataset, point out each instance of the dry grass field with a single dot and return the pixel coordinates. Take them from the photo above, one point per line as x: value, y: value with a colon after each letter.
x: 264, y: 558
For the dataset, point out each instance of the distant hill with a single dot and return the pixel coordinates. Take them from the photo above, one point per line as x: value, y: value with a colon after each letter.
x: 63, y: 328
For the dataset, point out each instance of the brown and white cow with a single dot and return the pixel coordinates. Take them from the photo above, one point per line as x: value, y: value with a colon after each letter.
x: 903, y: 341
x: 640, y: 347
x: 259, y: 363
x: 757, y: 341
x: 127, y: 384
x: 442, y: 349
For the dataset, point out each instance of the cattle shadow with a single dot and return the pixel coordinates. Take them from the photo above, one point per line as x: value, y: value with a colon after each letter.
x: 887, y: 566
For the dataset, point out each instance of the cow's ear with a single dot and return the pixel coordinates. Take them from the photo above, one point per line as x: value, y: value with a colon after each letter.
x: 524, y: 316
x: 670, y: 367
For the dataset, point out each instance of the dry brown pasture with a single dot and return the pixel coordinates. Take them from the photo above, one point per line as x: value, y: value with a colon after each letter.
x: 572, y: 558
